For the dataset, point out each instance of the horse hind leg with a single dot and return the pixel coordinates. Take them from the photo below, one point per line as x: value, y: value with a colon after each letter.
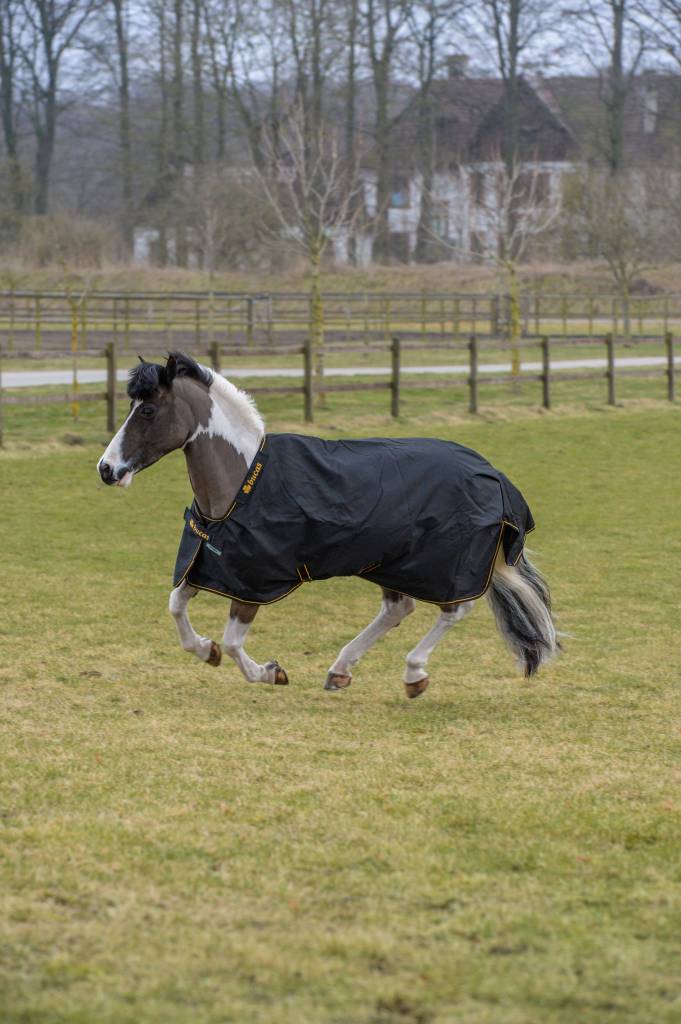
x: 416, y: 677
x: 202, y: 646
x: 394, y: 608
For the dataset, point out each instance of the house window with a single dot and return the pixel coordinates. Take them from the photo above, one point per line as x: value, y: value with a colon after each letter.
x: 441, y: 225
x: 532, y: 187
x: 477, y: 248
x: 399, y: 193
x: 478, y: 187
x: 398, y: 245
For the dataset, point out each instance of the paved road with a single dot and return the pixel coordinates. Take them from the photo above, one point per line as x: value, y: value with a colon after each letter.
x: 33, y: 378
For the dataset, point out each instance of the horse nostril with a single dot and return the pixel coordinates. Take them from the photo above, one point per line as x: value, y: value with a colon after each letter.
x: 106, y: 472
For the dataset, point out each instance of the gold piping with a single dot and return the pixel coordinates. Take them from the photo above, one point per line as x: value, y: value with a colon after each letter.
x: 233, y: 597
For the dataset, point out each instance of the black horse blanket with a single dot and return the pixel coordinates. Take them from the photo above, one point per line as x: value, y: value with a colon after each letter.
x: 419, y: 516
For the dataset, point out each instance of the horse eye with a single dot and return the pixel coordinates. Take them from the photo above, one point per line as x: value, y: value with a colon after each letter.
x: 147, y: 411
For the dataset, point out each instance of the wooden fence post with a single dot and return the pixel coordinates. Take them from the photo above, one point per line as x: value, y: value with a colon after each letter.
x: 610, y: 372
x: 546, y: 372
x: 126, y: 326
x: 111, y: 387
x: 11, y: 320
x: 75, y: 404
x: 38, y: 325
x: 2, y: 437
x: 249, y: 320
x: 494, y: 318
x: 671, y: 382
x: 395, y: 384
x: 215, y: 356
x: 473, y: 375
x: 308, y: 385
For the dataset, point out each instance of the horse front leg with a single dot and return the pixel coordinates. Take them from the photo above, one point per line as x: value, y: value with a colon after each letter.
x: 202, y: 646
x: 394, y: 608
x: 416, y: 677
x: 240, y: 618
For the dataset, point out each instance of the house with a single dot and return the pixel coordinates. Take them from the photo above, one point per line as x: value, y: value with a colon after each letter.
x: 562, y: 126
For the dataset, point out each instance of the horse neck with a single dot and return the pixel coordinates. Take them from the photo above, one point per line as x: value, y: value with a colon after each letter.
x: 219, y: 452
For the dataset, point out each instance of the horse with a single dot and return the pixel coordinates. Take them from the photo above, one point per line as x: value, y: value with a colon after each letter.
x: 423, y: 519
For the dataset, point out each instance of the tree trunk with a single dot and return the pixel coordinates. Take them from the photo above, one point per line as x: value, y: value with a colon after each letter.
x: 351, y: 119
x: 617, y: 89
x: 425, y: 251
x: 317, y: 323
x: 45, y: 148
x: 178, y: 127
x: 124, y: 131
x: 514, y: 319
x: 381, y: 247
x: 8, y: 107
x: 197, y: 89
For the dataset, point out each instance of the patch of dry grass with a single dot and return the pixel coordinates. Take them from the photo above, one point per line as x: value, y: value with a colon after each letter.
x: 179, y: 846
x: 556, y: 278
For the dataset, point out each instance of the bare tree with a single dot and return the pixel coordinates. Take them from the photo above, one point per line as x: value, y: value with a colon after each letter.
x: 311, y: 205
x: 386, y: 28
x: 513, y: 210
x: 516, y: 27
x: 53, y: 28
x: 612, y: 28
x: 430, y: 23
x: 250, y: 51
x: 662, y: 19
x: 625, y: 221
x: 12, y: 25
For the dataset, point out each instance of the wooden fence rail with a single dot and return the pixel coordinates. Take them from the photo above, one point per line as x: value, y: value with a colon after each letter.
x: 396, y: 384
x: 40, y: 322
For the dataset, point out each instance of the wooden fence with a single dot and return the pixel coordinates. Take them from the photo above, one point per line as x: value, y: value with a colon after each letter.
x: 41, y: 322
x: 396, y: 383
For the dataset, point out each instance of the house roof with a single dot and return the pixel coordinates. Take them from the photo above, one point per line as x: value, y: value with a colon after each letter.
x: 561, y: 119
x: 652, y: 114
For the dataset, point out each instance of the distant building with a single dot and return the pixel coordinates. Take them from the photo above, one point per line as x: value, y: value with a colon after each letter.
x: 562, y: 126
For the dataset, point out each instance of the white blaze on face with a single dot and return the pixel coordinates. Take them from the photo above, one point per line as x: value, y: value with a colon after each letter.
x: 113, y: 455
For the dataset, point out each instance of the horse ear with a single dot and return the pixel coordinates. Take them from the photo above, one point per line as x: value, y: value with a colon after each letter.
x: 170, y: 369
x: 141, y: 359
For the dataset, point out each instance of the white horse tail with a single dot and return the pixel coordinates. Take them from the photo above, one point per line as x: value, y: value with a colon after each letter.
x: 521, y: 602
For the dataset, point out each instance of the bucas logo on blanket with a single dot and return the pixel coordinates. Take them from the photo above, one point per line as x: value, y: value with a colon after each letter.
x: 247, y: 487
x: 423, y: 517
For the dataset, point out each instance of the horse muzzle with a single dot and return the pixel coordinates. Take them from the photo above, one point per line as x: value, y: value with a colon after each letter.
x: 121, y: 475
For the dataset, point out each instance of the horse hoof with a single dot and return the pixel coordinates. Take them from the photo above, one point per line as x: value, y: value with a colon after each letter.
x: 280, y: 677
x: 215, y: 656
x: 416, y: 689
x: 334, y: 681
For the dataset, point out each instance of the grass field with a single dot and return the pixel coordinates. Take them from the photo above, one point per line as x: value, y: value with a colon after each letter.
x: 177, y: 846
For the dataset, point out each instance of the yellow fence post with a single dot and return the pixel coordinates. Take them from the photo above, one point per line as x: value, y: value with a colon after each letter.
x: 38, y: 333
x: 2, y: 436
x: 395, y: 382
x: 111, y: 387
x: 671, y: 382
x: 75, y: 404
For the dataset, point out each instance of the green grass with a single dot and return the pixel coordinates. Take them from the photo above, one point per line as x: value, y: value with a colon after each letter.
x: 177, y: 846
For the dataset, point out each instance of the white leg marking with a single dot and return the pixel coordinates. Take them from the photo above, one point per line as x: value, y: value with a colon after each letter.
x: 189, y: 638
x: 233, y: 645
x: 390, y: 615
x: 418, y: 658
